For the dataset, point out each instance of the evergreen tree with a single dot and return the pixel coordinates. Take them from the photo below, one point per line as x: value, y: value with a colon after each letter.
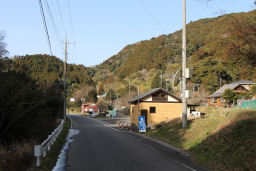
x: 156, y: 83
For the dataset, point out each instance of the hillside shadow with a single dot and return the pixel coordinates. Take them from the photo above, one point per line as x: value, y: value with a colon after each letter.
x: 173, y: 128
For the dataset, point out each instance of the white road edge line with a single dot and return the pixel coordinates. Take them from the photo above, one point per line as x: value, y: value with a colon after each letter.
x: 188, y: 167
x: 185, y: 165
x: 104, y: 124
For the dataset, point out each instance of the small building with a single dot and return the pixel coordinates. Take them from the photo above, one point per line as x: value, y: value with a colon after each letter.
x: 89, y: 108
x: 216, y: 99
x: 157, y: 105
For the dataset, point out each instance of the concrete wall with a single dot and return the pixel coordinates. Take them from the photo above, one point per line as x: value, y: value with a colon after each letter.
x: 164, y: 112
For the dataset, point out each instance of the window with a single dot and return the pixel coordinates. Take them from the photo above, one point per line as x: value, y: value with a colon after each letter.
x: 214, y: 100
x: 132, y: 109
x: 222, y: 100
x: 152, y: 109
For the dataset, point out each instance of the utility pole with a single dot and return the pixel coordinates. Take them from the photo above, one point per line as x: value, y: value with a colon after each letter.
x: 184, y: 100
x: 161, y: 79
x: 110, y: 97
x: 166, y: 85
x: 138, y: 99
x: 65, y: 77
x: 129, y: 91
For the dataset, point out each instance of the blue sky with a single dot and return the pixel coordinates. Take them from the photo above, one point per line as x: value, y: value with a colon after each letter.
x: 101, y: 27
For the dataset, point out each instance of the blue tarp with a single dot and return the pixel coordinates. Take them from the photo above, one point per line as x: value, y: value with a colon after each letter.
x: 247, y: 105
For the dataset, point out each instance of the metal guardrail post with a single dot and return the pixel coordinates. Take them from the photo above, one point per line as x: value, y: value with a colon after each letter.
x: 37, y: 154
x: 41, y: 150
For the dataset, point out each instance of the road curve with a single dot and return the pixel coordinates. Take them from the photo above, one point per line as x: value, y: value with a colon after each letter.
x: 99, y: 147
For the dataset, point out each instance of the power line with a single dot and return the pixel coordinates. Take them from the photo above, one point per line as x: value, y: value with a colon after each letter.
x: 71, y: 22
x: 61, y: 17
x: 154, y: 18
x: 57, y: 33
x: 45, y: 26
x: 52, y: 20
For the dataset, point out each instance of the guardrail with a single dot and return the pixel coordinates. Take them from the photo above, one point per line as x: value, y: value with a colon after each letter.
x: 40, y: 150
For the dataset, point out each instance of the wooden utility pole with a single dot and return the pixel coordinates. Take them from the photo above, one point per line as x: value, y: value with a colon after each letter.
x: 161, y: 79
x: 138, y: 99
x: 65, y: 77
x: 129, y: 91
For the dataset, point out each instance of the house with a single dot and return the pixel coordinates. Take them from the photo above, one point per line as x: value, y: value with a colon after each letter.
x: 157, y: 105
x: 89, y: 108
x: 216, y: 99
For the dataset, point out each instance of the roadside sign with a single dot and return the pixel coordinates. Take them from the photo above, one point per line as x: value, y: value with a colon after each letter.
x: 142, y: 124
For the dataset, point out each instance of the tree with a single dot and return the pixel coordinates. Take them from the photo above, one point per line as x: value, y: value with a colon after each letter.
x: 156, y: 83
x: 103, y: 106
x: 253, y: 90
x: 3, y: 51
x: 86, y: 94
x: 252, y: 93
x: 230, y: 96
x: 101, y: 90
x: 111, y: 96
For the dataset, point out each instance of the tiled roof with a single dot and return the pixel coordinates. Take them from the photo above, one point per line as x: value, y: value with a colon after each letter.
x: 151, y: 92
x: 242, y: 82
x: 231, y: 86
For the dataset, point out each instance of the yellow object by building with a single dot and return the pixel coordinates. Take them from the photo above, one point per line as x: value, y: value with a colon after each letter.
x: 158, y: 106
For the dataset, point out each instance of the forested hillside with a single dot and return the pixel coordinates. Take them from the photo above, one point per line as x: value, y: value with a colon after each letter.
x: 222, y: 48
x: 46, y: 69
x: 32, y: 90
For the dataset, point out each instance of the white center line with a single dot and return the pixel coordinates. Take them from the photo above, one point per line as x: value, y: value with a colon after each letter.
x: 104, y: 124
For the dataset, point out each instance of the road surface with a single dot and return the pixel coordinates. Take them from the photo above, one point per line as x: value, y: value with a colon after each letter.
x: 99, y: 147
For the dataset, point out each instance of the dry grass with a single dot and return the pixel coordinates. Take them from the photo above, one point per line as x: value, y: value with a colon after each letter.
x: 224, y: 140
x: 20, y: 156
x: 16, y: 157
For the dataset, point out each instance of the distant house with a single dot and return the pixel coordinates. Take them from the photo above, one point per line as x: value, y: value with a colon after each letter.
x: 216, y: 99
x: 157, y: 105
x: 89, y: 108
x: 102, y: 96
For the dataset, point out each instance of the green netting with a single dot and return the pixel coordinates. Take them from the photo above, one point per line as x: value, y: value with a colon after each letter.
x: 248, y: 105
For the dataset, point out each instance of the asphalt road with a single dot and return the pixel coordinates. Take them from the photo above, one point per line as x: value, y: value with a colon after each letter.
x: 100, y: 147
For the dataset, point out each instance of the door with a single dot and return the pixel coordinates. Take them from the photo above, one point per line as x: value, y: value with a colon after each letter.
x: 145, y: 113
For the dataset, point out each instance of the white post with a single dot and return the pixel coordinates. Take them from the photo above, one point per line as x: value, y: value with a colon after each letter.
x: 37, y: 161
x: 37, y: 154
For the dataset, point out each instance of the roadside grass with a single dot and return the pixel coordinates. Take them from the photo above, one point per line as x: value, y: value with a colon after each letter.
x: 74, y: 110
x: 51, y: 158
x: 18, y: 156
x: 99, y: 117
x: 224, y: 140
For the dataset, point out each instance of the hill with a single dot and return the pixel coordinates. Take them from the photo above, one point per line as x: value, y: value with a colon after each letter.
x: 221, y: 47
x: 45, y: 69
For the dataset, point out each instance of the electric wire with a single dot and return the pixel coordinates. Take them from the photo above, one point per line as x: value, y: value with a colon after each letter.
x: 52, y: 20
x: 150, y: 13
x: 72, y: 28
x: 71, y: 22
x: 61, y: 17
x: 57, y: 33
x: 45, y: 26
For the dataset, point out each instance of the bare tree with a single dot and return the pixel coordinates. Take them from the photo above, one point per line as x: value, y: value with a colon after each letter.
x: 86, y: 93
x: 3, y: 50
